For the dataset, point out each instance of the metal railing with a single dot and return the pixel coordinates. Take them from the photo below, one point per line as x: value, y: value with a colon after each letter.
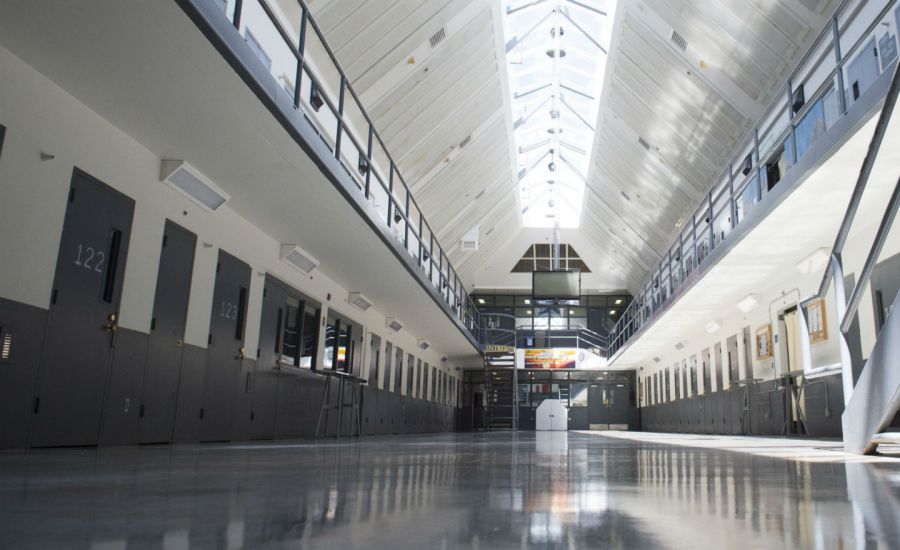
x: 289, y: 43
x: 860, y: 428
x: 818, y: 92
x: 499, y: 332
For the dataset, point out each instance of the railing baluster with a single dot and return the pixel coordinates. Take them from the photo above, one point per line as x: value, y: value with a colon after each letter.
x: 301, y: 49
x: 839, y: 62
x: 236, y: 18
x: 369, y: 158
x: 340, y: 119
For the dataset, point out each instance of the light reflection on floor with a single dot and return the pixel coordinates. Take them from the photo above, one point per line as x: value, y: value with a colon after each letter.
x: 498, y: 490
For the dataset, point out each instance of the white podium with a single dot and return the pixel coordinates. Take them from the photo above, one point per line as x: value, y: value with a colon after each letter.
x: 551, y: 415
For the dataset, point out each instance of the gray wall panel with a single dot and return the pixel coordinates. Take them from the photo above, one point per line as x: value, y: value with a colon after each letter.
x: 122, y: 407
x: 18, y: 375
x: 190, y: 394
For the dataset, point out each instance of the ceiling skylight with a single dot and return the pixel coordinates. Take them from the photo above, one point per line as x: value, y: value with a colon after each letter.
x: 556, y: 54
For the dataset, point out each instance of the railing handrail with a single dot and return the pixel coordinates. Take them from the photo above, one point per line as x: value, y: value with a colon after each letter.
x: 448, y: 283
x: 653, y: 294
x: 862, y: 180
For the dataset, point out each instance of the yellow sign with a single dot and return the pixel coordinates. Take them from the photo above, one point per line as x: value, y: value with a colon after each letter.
x: 497, y: 348
x: 556, y: 358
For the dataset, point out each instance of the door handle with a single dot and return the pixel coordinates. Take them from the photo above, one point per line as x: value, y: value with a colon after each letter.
x: 111, y: 326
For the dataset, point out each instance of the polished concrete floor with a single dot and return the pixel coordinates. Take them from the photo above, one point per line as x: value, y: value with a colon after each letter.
x: 498, y: 490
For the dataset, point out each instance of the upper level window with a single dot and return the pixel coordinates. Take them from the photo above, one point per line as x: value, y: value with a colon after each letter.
x: 539, y: 257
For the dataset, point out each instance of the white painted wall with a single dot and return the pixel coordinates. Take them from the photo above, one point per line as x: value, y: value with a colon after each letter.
x: 781, y: 295
x: 41, y: 117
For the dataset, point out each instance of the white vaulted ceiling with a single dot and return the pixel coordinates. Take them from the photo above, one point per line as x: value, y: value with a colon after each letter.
x: 431, y: 75
x: 672, y: 116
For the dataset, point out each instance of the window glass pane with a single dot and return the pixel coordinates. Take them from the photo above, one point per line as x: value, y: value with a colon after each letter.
x: 330, y: 340
x: 398, y: 370
x: 290, y: 336
x: 578, y: 394
x: 309, y: 337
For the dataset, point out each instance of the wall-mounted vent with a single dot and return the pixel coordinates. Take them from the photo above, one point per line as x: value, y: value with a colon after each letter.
x: 298, y: 258
x: 624, y: 194
x: 359, y: 300
x: 437, y: 37
x: 188, y: 181
x: 393, y: 324
x: 679, y: 345
x: 643, y: 143
x: 465, y: 142
x: 479, y: 195
x: 6, y: 345
x: 679, y: 40
x: 423, y: 344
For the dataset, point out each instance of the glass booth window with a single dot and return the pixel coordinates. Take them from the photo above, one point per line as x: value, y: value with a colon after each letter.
x: 398, y: 371
x: 340, y: 346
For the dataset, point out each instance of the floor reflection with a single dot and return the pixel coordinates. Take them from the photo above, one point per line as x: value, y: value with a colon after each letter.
x: 464, y: 490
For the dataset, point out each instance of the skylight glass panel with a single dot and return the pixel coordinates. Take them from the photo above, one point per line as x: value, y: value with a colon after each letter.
x: 556, y: 54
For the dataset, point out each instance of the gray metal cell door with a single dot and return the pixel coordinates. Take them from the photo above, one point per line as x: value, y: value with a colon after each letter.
x: 620, y: 405
x: 83, y: 316
x: 265, y: 376
x: 224, y: 387
x: 164, y: 360
x: 610, y: 406
x: 598, y: 411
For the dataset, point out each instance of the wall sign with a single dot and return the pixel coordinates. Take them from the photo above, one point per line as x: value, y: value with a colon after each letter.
x: 555, y: 358
x: 764, y: 342
x: 818, y: 324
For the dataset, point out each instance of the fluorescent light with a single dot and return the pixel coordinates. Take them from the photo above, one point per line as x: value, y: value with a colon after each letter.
x: 571, y: 312
x: 713, y: 327
x: 528, y: 312
x: 298, y: 258
x: 612, y: 312
x: 527, y: 301
x: 423, y: 344
x: 191, y: 183
x: 618, y: 301
x: 748, y: 303
x: 817, y: 260
x: 393, y: 324
x: 359, y: 300
x: 679, y: 345
x: 481, y: 301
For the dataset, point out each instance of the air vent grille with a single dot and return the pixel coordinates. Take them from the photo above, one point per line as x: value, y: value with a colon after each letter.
x: 6, y: 345
x: 479, y: 195
x: 679, y: 40
x: 643, y: 143
x: 465, y: 142
x: 437, y: 38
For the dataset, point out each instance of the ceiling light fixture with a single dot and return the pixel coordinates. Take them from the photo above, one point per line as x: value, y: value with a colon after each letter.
x: 748, y: 303
x: 191, y: 183
x: 817, y: 260
x: 298, y: 258
x: 359, y: 300
x: 713, y: 327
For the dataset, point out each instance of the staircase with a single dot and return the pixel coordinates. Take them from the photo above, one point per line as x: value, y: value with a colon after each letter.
x: 501, y: 399
x: 872, y: 403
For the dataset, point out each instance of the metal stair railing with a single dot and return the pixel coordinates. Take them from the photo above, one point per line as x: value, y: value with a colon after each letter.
x: 871, y: 404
